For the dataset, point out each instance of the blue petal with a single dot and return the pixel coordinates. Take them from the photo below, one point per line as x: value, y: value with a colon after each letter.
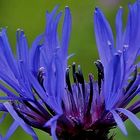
x: 131, y: 35
x: 60, y: 79
x: 8, y: 52
x: 113, y: 80
x: 12, y: 83
x: 52, y: 122
x: 104, y: 37
x: 42, y: 94
x: 2, y: 107
x: 7, y: 91
x: 119, y: 34
x: 11, y: 130
x: 66, y: 31
x: 3, y: 116
x: 34, y: 55
x: 51, y: 42
x: 26, y: 128
x: 23, y: 63
x: 22, y: 48
x: 131, y: 116
x: 119, y: 121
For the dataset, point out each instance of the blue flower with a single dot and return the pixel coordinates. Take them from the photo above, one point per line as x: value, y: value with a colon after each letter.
x: 39, y: 92
x: 121, y: 82
x: 33, y: 81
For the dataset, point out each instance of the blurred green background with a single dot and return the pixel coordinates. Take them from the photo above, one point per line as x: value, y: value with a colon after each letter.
x: 29, y: 15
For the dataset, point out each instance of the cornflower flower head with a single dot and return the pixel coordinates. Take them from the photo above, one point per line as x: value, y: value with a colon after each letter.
x: 40, y: 94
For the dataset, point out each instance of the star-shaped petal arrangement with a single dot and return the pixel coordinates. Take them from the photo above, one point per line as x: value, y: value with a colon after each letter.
x: 39, y: 92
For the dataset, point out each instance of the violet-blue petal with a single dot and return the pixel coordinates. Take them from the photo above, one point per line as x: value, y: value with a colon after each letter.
x: 119, y: 31
x: 52, y: 123
x: 131, y: 34
x: 3, y: 116
x: 113, y: 80
x: 66, y: 31
x: 34, y: 54
x: 11, y: 130
x: 135, y: 120
x: 104, y: 37
x: 26, y: 127
x: 119, y: 121
x: 2, y: 107
x: 8, y: 52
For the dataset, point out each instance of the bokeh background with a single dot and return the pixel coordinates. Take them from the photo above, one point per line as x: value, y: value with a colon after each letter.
x: 29, y: 15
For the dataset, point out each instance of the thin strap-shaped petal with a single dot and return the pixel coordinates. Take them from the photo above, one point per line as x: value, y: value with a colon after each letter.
x: 34, y: 55
x: 51, y: 33
x: 22, y: 47
x: 2, y: 107
x: 43, y: 95
x: 119, y: 37
x: 23, y: 62
x: 26, y: 128
x: 60, y: 77
x: 8, y: 52
x: 119, y: 121
x: 3, y: 117
x: 52, y: 122
x: 7, y: 91
x: 135, y: 108
x: 11, y: 130
x: 131, y: 116
x: 66, y: 30
x: 9, y: 81
x: 131, y: 34
x: 53, y: 130
x: 113, y: 80
x: 54, y: 38
x: 104, y: 36
x: 49, y: 18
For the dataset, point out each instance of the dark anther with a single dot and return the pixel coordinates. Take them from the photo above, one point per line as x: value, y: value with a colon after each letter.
x: 74, y: 72
x: 129, y: 96
x: 136, y: 110
x: 68, y: 80
x: 41, y: 74
x: 34, y: 109
x: 80, y: 79
x: 91, y: 95
x: 100, y: 73
x: 80, y: 74
x: 51, y: 111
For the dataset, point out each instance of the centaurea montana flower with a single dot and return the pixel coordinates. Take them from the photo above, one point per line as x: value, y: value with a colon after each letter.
x: 38, y: 88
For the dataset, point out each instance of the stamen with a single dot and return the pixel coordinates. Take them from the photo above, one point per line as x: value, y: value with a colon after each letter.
x: 91, y: 95
x: 100, y: 73
x: 41, y: 74
x: 73, y: 72
x: 68, y: 80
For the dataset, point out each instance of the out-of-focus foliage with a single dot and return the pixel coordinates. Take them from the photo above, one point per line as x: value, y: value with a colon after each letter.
x: 29, y: 15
